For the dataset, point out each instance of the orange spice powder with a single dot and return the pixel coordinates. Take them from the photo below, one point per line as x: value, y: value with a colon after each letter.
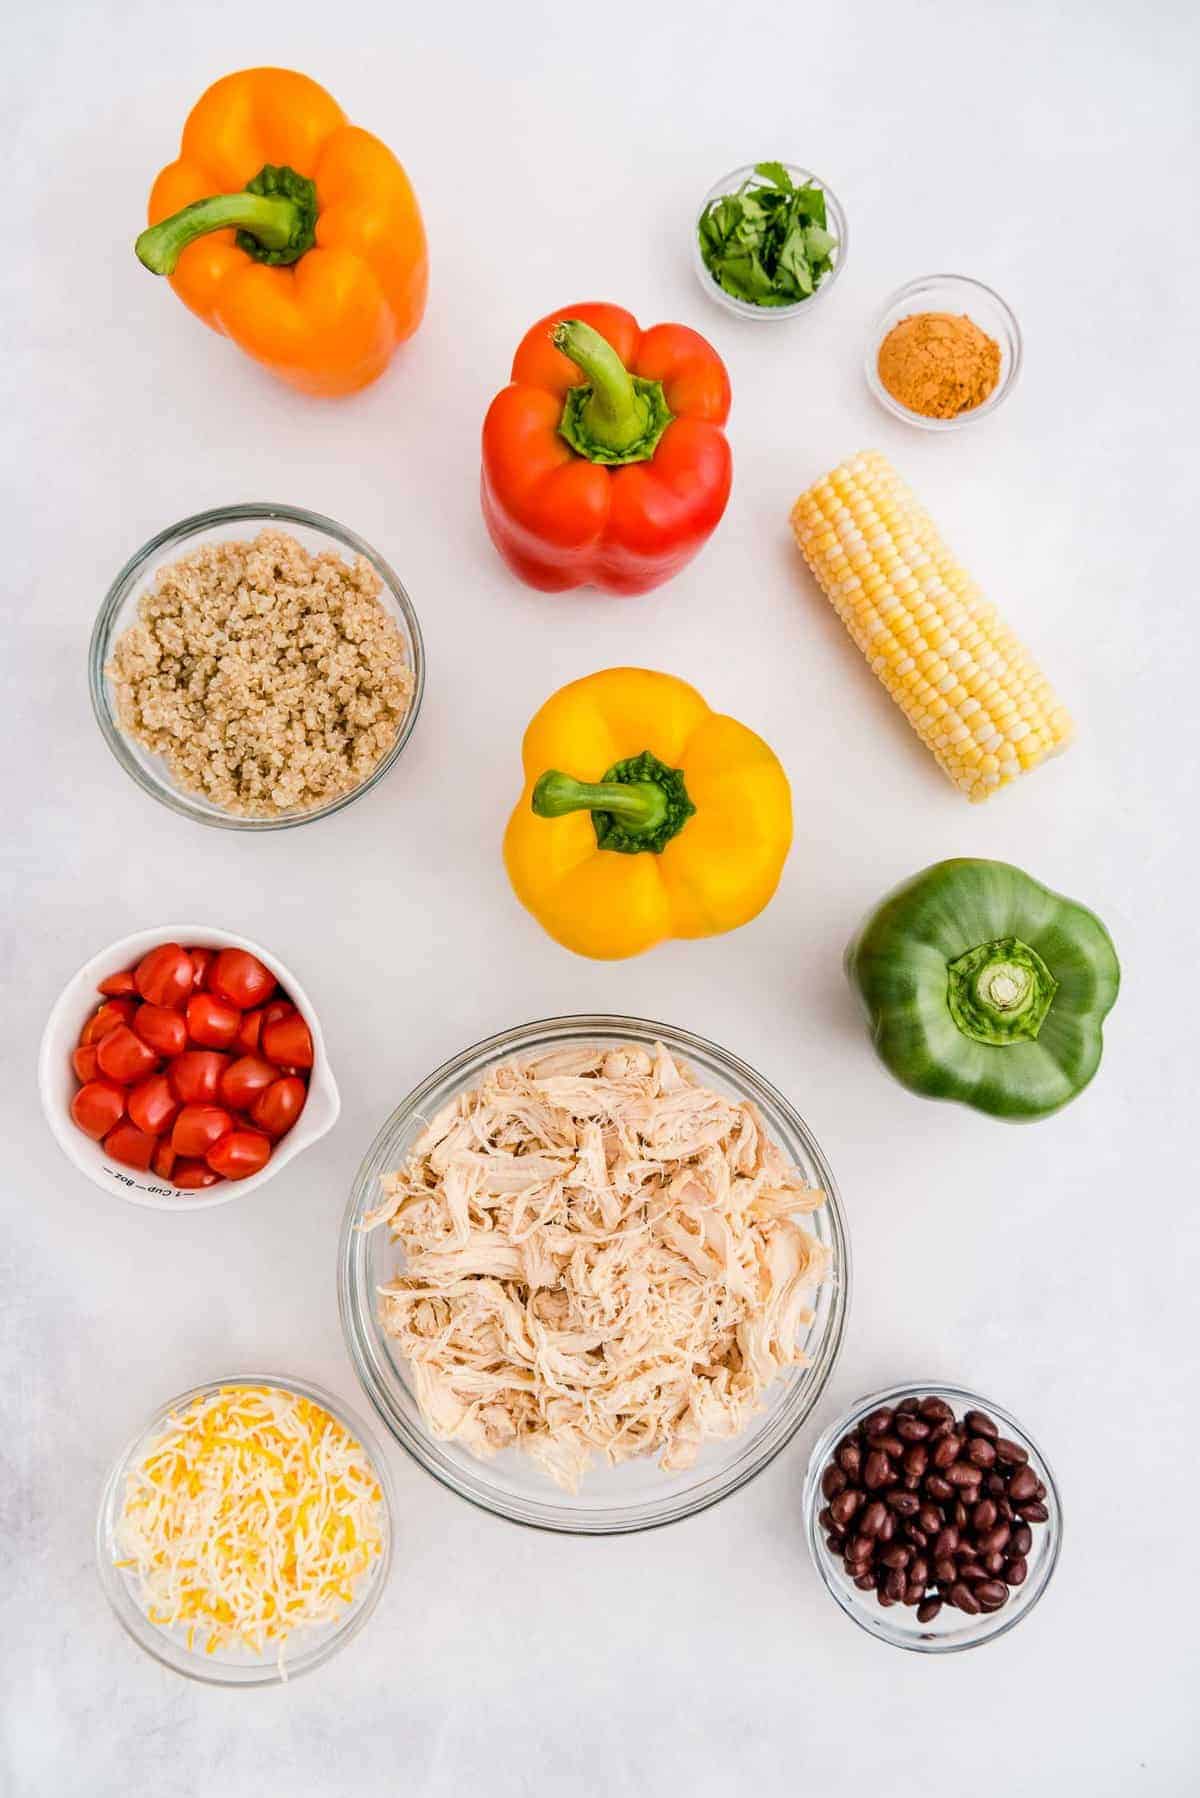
x: 939, y: 364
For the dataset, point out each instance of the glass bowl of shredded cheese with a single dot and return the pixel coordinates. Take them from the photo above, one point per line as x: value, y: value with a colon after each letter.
x: 245, y: 1535
x: 594, y: 1274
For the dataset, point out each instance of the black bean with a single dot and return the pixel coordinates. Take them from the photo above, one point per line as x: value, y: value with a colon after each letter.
x: 896, y: 1556
x: 849, y: 1457
x: 865, y: 1582
x: 993, y: 1565
x: 860, y: 1548
x: 916, y: 1536
x: 930, y: 1519
x: 833, y: 1481
x: 918, y: 1570
x: 959, y: 1515
x: 905, y: 1504
x: 908, y: 1406
x: 1022, y: 1486
x: 884, y: 1598
x: 1022, y: 1540
x: 845, y: 1505
x: 1011, y: 1453
x: 972, y: 1570
x: 991, y: 1593
x: 993, y: 1539
x: 896, y: 1584
x: 825, y: 1518
x: 935, y: 1409
x: 980, y: 1452
x: 1015, y: 1570
x: 983, y: 1517
x: 871, y: 1518
x: 938, y: 1488
x: 963, y: 1475
x: 980, y: 1424
x: 877, y: 1423
x: 928, y: 1609
x: 875, y: 1471
x: 946, y: 1570
x: 947, y: 1450
x: 890, y: 1445
x: 835, y: 1542
x: 912, y: 1429
x: 916, y: 1459
x: 912, y: 1482
x: 887, y: 1528
x: 1041, y: 1492
x: 946, y: 1541
x: 962, y: 1596
x: 1034, y: 1513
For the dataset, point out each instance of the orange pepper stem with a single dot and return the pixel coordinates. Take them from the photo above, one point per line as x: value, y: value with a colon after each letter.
x: 275, y: 218
x: 615, y: 417
x: 640, y: 804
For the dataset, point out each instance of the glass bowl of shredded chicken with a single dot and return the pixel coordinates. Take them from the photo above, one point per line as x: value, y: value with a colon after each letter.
x: 593, y: 1274
x: 245, y: 1534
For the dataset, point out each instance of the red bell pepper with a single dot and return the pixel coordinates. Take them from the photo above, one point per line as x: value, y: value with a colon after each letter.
x: 605, y: 461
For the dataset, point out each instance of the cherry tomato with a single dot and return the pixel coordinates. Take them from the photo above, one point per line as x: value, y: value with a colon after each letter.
x: 244, y: 1079
x: 198, y: 1127
x: 277, y: 1109
x: 191, y: 1175
x: 211, y: 1021
x: 164, y: 1160
x: 202, y: 961
x: 249, y: 1031
x: 287, y: 1041
x: 97, y: 1106
x: 106, y: 1017
x: 239, y: 1154
x: 84, y: 1062
x: 130, y: 1146
x: 124, y: 1057
x: 152, y: 1105
x: 164, y: 1030
x: 278, y: 1008
x: 164, y: 977
x: 196, y: 1075
x: 240, y: 978
x: 118, y: 986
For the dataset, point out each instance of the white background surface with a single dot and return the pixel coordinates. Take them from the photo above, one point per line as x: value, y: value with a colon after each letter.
x: 559, y: 156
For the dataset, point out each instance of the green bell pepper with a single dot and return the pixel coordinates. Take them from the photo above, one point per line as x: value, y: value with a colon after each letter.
x: 982, y: 985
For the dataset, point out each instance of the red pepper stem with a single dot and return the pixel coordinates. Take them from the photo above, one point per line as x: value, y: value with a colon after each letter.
x: 615, y: 415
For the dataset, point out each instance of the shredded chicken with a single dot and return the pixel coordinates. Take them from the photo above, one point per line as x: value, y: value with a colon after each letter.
x: 600, y: 1256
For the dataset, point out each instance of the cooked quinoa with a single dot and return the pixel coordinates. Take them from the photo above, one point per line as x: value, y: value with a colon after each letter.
x: 268, y: 679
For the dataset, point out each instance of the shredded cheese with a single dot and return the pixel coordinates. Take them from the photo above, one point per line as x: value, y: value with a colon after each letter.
x: 255, y: 1513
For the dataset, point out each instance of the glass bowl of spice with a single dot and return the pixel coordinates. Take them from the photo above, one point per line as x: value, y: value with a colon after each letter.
x: 245, y: 1534
x: 770, y: 240
x: 944, y: 351
x: 932, y: 1516
x: 256, y: 667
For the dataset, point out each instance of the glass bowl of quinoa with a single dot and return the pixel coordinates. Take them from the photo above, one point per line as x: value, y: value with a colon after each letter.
x: 256, y: 666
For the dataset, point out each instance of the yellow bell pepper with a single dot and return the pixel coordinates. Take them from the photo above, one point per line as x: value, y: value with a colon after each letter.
x: 645, y: 815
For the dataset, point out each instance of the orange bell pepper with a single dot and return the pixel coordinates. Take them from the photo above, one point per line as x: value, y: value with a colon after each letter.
x: 290, y: 231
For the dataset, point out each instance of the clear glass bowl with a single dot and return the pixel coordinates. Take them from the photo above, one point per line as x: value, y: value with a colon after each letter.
x: 119, y: 611
x: 310, y: 1648
x: 948, y: 293
x: 834, y: 213
x: 638, y: 1494
x: 951, y: 1629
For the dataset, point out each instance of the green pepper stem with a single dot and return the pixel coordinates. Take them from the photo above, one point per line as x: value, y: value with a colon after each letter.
x: 272, y: 220
x: 614, y: 415
x: 1000, y: 992
x: 641, y: 806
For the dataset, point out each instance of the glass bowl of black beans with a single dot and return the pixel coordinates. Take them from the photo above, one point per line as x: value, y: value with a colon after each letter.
x: 933, y: 1517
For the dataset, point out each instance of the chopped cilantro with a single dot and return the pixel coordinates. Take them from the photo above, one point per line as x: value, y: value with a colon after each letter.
x: 768, y: 243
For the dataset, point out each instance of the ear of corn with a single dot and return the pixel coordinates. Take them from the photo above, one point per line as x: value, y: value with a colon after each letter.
x: 971, y: 692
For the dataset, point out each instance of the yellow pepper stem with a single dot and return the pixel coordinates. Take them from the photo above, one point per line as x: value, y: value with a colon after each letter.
x: 640, y: 804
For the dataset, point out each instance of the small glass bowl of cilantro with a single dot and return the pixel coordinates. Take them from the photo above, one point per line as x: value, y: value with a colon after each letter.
x: 770, y: 238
